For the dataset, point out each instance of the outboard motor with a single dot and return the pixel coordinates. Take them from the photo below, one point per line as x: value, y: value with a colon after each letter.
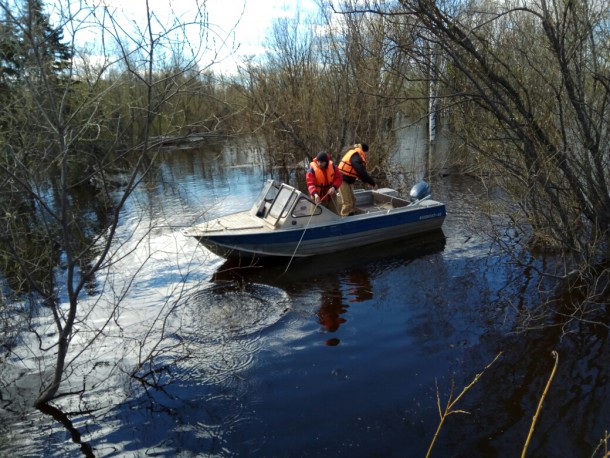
x: 420, y: 191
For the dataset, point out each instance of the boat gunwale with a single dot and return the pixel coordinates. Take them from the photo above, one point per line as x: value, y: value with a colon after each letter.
x: 279, y: 239
x: 266, y: 227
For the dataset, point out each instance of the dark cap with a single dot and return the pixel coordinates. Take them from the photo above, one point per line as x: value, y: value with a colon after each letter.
x: 365, y: 147
x: 322, y: 156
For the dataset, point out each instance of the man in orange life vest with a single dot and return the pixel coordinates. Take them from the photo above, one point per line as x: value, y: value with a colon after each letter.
x: 353, y: 167
x: 323, y: 180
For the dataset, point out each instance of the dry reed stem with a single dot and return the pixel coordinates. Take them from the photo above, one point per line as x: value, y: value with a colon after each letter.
x: 450, y: 403
x: 546, y: 389
x: 604, y: 443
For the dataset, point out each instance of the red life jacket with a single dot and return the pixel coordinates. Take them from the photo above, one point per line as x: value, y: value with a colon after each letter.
x: 324, y: 178
x: 345, y: 166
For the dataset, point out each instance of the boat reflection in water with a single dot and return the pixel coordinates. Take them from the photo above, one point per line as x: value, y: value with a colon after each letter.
x: 340, y: 280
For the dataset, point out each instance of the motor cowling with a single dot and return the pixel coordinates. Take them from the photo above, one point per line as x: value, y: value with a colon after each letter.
x: 419, y: 191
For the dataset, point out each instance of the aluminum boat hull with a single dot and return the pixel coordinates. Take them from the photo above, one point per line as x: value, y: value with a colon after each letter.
x: 247, y: 234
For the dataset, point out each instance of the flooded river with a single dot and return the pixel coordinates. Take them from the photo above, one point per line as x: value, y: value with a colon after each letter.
x: 341, y: 355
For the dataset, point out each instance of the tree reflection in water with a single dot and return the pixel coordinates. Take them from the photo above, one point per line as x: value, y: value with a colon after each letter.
x: 243, y: 356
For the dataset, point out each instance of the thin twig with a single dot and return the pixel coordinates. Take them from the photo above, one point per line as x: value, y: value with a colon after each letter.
x: 450, y: 403
x: 546, y: 389
x: 603, y: 443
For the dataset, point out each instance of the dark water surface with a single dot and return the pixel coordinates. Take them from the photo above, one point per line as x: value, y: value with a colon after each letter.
x: 341, y: 355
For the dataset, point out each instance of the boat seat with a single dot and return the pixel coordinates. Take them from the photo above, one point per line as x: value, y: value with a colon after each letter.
x: 375, y: 208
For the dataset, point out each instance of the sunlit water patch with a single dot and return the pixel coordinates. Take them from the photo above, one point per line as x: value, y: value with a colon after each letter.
x: 222, y: 331
x: 223, y: 327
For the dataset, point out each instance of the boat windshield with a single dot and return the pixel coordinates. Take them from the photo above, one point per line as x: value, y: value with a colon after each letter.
x: 268, y: 193
x: 305, y: 207
x: 265, y: 198
x: 282, y: 203
x: 276, y: 201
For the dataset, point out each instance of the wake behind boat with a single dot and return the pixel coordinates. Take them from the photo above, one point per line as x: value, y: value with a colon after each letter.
x: 284, y: 221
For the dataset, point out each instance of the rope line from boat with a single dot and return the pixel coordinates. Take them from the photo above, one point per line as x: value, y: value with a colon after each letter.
x: 303, y: 234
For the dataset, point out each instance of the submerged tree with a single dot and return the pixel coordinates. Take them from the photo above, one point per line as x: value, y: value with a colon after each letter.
x: 64, y: 133
x: 530, y: 91
x: 323, y: 85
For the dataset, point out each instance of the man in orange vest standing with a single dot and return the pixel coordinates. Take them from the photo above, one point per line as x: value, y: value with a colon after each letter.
x: 323, y: 181
x: 353, y: 167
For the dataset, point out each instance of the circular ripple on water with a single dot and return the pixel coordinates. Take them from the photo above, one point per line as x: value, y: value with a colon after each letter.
x: 231, y: 310
x: 224, y: 327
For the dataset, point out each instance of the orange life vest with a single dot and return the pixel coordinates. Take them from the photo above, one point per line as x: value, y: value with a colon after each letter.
x: 345, y: 166
x: 324, y: 177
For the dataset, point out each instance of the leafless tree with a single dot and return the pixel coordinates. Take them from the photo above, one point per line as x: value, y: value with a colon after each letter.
x: 322, y: 86
x: 527, y: 86
x: 86, y: 124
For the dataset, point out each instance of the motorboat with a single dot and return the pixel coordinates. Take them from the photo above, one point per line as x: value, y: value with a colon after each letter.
x: 285, y: 222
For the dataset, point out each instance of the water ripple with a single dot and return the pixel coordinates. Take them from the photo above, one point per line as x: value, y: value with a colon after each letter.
x: 224, y: 328
x: 229, y: 311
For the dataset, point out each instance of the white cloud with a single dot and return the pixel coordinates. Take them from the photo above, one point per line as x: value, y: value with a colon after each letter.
x: 250, y: 21
x: 238, y: 28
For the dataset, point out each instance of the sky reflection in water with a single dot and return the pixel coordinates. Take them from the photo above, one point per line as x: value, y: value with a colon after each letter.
x: 340, y: 355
